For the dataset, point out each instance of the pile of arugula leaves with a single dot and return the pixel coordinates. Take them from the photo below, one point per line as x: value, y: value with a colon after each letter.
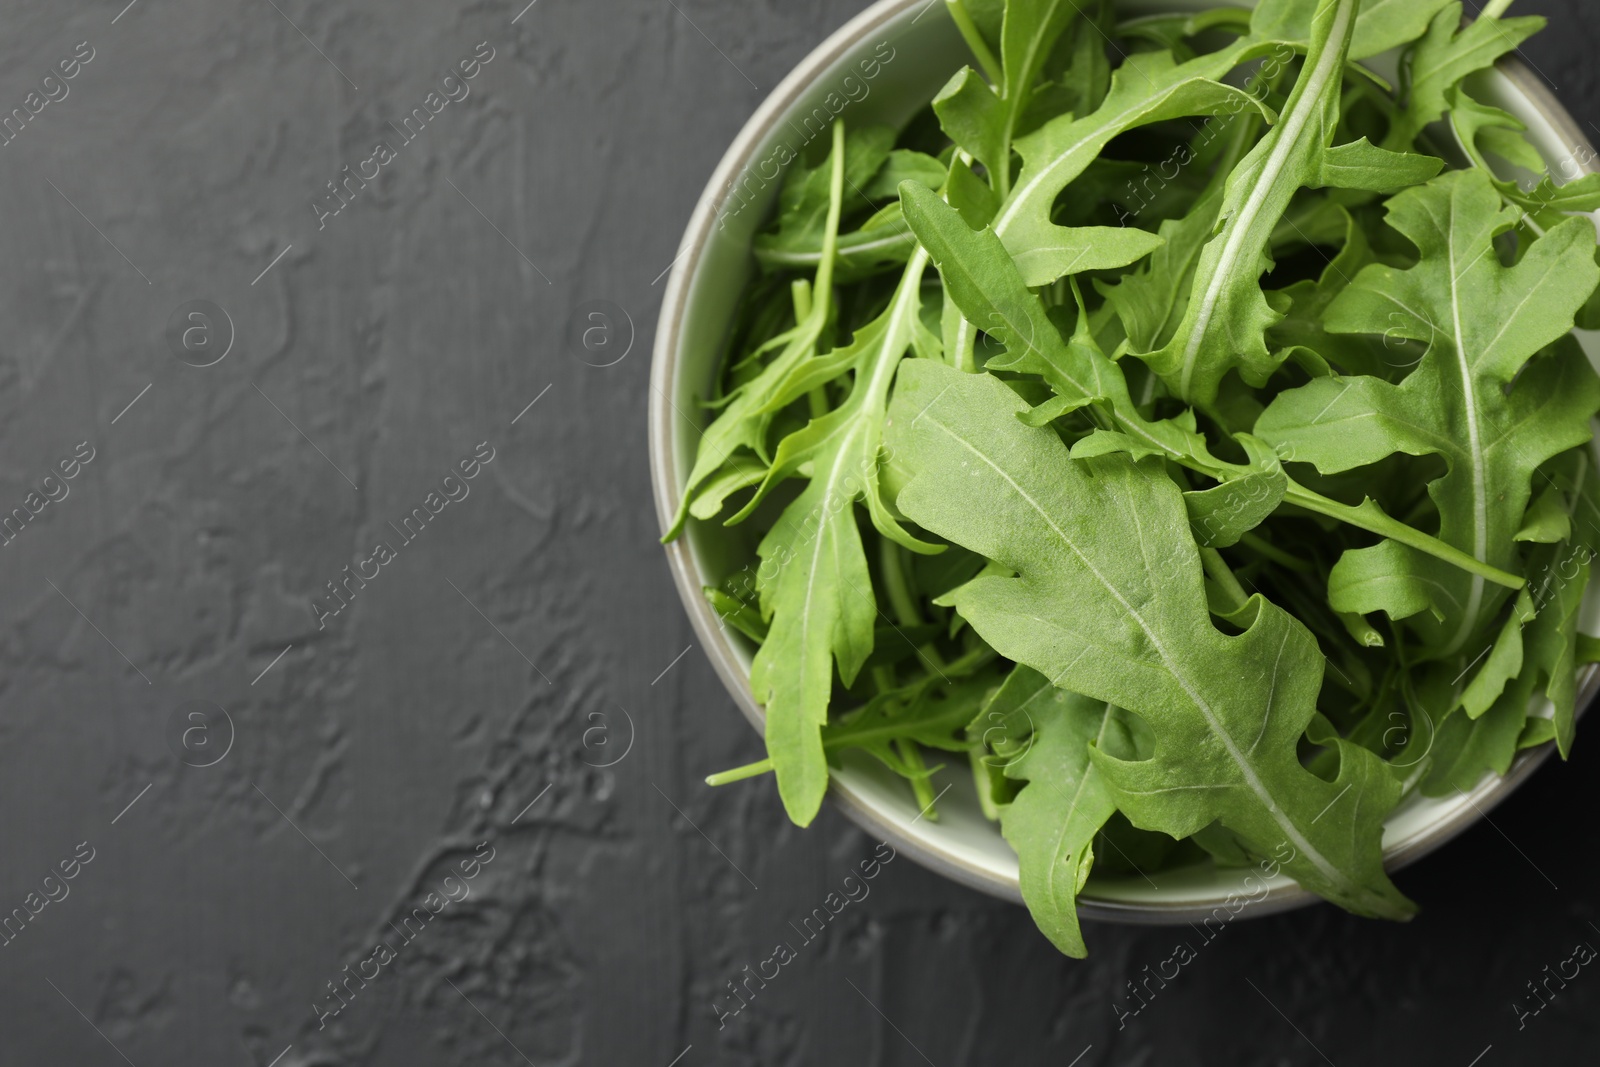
x: 1177, y: 425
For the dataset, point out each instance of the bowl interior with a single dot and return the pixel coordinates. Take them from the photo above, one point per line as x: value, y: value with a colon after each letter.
x: 881, y: 68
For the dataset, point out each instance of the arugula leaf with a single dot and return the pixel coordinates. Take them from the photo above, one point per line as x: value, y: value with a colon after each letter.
x: 1029, y: 32
x: 1053, y: 821
x: 1220, y: 516
x: 985, y: 284
x: 1301, y: 334
x: 1480, y: 128
x: 1448, y: 53
x: 1061, y: 251
x: 1381, y: 26
x: 814, y: 582
x: 1503, y: 662
x: 1150, y: 301
x: 1148, y: 88
x: 970, y: 115
x: 1227, y: 316
x: 1108, y: 602
x: 1482, y: 322
x: 882, y: 240
x: 859, y: 254
x: 931, y: 711
x: 740, y: 431
x: 1552, y: 641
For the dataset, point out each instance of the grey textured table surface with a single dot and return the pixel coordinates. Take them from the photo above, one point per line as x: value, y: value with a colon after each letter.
x: 249, y: 802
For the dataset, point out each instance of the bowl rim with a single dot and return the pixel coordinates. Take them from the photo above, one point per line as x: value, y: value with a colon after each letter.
x: 689, y: 577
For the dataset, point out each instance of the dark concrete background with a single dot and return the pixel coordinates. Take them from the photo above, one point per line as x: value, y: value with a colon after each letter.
x: 531, y: 632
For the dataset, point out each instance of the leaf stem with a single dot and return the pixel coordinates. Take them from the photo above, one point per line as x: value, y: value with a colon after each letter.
x: 1368, y: 516
x: 966, y: 354
x: 1262, y: 546
x: 980, y: 47
x: 739, y: 774
x: 977, y: 758
x: 823, y: 289
x: 800, y: 297
x: 1494, y: 9
x: 800, y: 294
x: 921, y: 786
x: 1217, y: 568
x: 901, y: 601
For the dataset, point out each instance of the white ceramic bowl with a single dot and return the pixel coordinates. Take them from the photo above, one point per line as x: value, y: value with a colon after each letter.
x: 917, y: 48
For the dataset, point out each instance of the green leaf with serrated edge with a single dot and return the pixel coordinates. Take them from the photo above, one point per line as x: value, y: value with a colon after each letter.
x: 1482, y: 322
x: 1302, y: 328
x: 821, y: 606
x: 903, y: 165
x: 1053, y: 821
x: 1150, y: 300
x: 715, y: 491
x: 1381, y: 26
x: 1552, y: 639
x: 1109, y: 602
x: 931, y: 711
x: 1445, y: 55
x: 1218, y: 517
x: 1467, y: 749
x: 804, y: 199
x: 814, y: 581
x: 1481, y: 129
x: 741, y: 428
x: 1225, y: 323
x: 1148, y: 88
x: 1027, y: 36
x: 983, y: 282
x: 1392, y: 578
